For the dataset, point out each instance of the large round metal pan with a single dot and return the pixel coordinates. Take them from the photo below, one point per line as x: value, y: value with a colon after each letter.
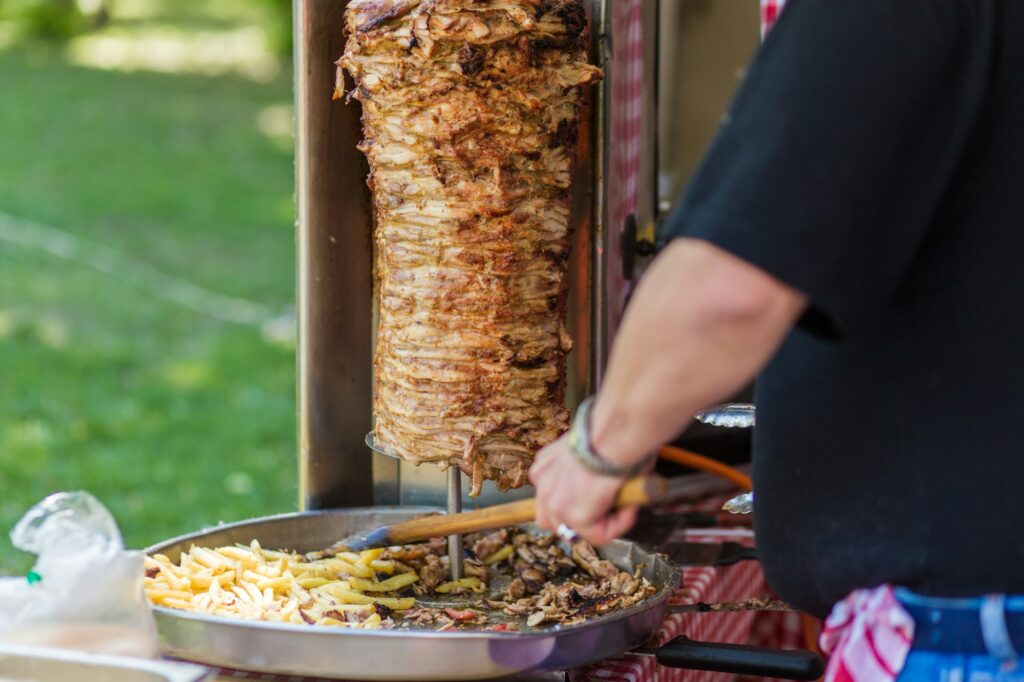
x: 396, y: 654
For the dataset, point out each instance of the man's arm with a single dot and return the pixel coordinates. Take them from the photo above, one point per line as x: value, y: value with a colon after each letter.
x: 701, y: 325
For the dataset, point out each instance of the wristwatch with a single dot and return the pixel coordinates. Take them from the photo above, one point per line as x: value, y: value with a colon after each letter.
x: 583, y: 450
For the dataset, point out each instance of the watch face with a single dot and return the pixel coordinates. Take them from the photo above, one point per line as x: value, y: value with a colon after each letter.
x: 578, y: 426
x: 575, y: 438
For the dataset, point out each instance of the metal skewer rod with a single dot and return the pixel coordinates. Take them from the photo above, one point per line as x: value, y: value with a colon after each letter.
x: 454, y: 507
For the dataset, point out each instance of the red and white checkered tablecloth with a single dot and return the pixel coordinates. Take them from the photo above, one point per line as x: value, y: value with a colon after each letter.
x: 624, y: 74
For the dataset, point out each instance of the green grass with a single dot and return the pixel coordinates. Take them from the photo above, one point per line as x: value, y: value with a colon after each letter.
x: 174, y: 419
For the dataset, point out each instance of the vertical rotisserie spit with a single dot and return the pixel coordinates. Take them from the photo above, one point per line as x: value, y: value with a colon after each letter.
x: 470, y: 111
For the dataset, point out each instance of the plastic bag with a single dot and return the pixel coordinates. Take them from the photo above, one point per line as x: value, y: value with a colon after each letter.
x: 86, y: 591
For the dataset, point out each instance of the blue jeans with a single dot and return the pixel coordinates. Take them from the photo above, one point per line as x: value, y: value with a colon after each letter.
x: 964, y: 640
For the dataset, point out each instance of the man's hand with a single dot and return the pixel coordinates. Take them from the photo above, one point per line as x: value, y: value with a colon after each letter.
x: 569, y: 493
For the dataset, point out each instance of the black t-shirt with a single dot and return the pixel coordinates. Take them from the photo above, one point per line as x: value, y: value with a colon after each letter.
x: 874, y: 160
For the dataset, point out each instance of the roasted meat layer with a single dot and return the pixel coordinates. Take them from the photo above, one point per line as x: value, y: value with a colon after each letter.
x: 470, y: 117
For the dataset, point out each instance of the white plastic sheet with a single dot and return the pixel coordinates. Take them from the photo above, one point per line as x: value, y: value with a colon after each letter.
x: 86, y: 590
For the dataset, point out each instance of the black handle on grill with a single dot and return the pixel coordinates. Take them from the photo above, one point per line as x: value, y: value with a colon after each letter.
x: 738, y: 659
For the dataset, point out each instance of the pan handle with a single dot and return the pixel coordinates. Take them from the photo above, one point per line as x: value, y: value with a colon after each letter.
x: 739, y: 659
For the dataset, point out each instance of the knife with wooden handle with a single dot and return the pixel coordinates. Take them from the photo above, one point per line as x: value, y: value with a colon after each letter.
x: 639, y: 491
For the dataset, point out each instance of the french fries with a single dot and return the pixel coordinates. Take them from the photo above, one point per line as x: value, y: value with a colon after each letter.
x: 500, y: 555
x: 351, y: 597
x: 461, y: 585
x: 259, y: 584
x: 390, y: 585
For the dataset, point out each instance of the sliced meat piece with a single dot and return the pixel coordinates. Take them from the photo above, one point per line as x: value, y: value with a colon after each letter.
x: 433, y: 573
x: 490, y: 543
x: 586, y: 558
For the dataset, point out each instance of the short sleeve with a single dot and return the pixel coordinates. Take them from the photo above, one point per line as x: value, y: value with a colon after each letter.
x: 835, y: 155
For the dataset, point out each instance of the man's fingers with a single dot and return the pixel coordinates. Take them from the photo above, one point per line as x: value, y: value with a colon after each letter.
x: 593, y: 534
x: 566, y: 492
x: 619, y: 522
x: 578, y: 518
x: 565, y: 503
x: 562, y: 510
x: 610, y: 527
x: 544, y: 519
x: 536, y: 474
x: 536, y: 470
x: 541, y: 463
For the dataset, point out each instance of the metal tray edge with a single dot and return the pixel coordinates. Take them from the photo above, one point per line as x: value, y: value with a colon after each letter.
x: 170, y: 671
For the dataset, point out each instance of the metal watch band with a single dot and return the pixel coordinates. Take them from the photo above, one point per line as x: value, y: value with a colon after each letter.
x: 583, y: 451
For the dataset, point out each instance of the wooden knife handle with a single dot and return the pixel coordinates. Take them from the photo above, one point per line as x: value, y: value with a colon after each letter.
x: 641, y: 490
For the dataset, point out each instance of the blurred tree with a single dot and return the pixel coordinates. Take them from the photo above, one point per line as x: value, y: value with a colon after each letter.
x: 281, y: 33
x: 55, y: 19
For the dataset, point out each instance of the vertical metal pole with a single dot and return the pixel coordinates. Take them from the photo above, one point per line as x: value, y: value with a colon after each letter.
x: 335, y: 256
x: 454, y: 507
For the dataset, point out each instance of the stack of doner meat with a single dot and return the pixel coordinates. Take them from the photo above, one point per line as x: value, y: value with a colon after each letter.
x: 470, y: 119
